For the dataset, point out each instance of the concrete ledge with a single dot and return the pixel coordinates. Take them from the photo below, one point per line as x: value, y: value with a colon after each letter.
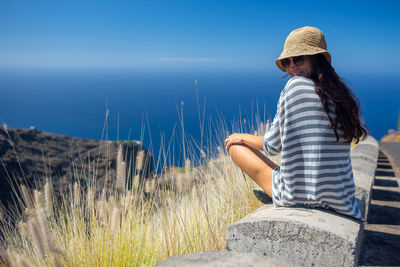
x: 364, y: 159
x: 302, y: 237
x: 221, y: 259
x: 363, y: 184
x: 364, y: 156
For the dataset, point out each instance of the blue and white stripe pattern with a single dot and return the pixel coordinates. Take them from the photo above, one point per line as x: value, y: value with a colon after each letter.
x: 315, y: 170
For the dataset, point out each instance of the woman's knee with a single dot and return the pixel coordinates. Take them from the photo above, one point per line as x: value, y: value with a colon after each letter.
x: 242, y: 156
x: 236, y: 150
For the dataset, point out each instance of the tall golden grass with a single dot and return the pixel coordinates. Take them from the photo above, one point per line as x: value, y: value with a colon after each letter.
x: 172, y: 214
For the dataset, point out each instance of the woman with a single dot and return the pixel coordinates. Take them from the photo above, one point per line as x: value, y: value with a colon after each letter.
x: 317, y: 118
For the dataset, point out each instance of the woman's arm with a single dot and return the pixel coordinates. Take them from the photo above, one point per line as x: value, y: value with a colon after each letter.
x: 244, y: 138
x: 253, y: 140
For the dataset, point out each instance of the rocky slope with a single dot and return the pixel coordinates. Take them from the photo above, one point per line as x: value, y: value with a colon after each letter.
x: 30, y: 157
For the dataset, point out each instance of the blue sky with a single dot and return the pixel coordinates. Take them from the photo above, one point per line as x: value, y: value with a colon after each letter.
x: 361, y: 35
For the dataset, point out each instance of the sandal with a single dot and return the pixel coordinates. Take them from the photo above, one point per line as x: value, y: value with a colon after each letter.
x: 262, y: 196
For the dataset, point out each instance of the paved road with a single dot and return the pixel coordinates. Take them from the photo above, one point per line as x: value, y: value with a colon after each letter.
x: 392, y: 151
x: 381, y: 242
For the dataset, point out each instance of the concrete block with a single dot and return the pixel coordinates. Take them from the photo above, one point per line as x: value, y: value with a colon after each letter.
x: 369, y: 140
x: 221, y: 259
x: 298, y: 236
x: 364, y: 159
x: 361, y: 165
x: 363, y: 162
x: 366, y: 151
x: 363, y: 183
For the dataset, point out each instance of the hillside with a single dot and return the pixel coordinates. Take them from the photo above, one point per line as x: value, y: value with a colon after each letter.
x: 37, y: 155
x: 392, y: 136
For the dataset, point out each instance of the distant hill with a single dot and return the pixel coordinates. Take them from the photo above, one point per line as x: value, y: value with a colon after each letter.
x: 392, y: 136
x: 60, y: 158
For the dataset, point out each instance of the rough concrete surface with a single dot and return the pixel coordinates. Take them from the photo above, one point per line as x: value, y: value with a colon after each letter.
x: 364, y: 156
x: 302, y: 237
x: 364, y: 160
x: 221, y: 259
x: 363, y: 183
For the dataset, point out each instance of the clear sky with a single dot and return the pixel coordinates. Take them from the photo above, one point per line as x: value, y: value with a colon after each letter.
x: 361, y: 35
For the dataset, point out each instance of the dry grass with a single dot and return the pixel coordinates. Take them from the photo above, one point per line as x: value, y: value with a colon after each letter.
x: 140, y: 226
x: 129, y: 229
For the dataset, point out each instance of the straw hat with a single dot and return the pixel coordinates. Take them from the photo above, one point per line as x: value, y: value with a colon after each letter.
x: 304, y: 41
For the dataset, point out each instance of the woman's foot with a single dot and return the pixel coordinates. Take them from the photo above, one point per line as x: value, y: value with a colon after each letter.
x: 262, y: 196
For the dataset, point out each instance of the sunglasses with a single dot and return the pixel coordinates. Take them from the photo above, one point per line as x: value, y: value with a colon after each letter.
x: 298, y: 61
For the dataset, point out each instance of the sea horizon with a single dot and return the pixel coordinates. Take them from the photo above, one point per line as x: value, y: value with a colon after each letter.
x: 74, y: 102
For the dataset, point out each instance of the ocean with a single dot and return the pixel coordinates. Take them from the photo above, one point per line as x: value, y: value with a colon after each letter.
x: 143, y: 105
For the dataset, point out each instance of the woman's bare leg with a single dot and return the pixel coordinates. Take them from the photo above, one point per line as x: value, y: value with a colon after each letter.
x: 255, y: 164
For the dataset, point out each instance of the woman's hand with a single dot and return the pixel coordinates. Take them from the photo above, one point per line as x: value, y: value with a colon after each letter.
x: 234, y: 139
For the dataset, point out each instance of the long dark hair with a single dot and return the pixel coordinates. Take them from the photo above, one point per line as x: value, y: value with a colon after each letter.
x: 328, y: 84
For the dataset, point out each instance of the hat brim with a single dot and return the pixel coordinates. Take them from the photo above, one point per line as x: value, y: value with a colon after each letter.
x: 287, y: 55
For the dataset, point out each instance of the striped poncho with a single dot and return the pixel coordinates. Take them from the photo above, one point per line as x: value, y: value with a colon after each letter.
x: 315, y: 169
